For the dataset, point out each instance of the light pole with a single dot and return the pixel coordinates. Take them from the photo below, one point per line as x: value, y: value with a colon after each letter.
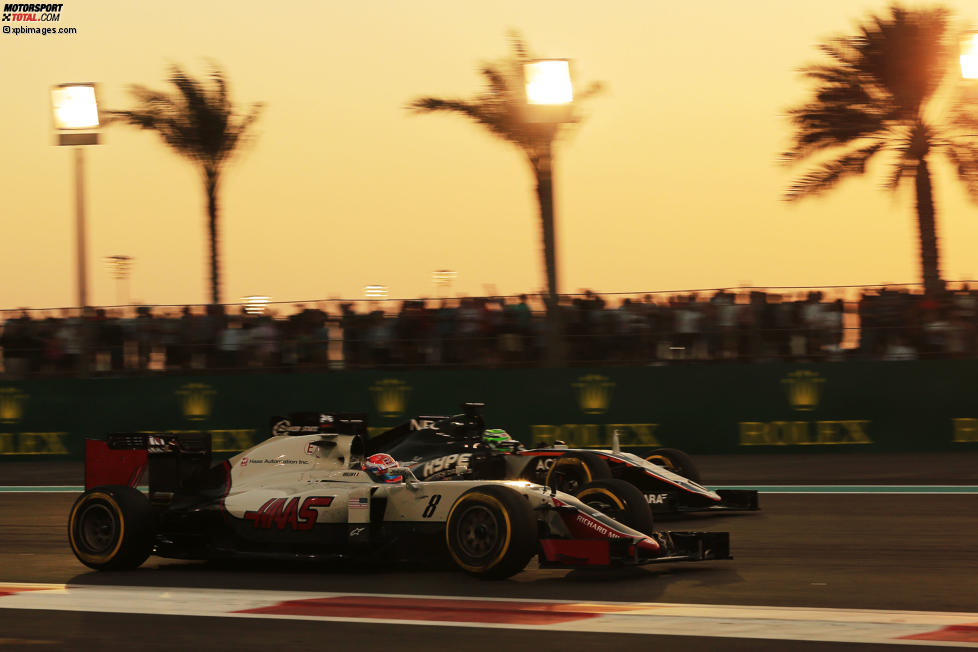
x: 255, y: 304
x: 75, y: 112
x: 968, y: 56
x: 549, y: 103
x: 121, y: 267
x: 443, y: 281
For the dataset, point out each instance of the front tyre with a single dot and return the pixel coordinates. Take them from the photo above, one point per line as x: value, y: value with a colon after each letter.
x: 111, y: 528
x: 571, y: 471
x: 621, y: 500
x: 491, y: 532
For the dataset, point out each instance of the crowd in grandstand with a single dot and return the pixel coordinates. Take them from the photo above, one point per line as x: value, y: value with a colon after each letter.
x: 723, y: 325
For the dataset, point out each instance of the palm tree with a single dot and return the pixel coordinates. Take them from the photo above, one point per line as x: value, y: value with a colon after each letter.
x: 501, y: 109
x: 875, y: 96
x: 199, y: 122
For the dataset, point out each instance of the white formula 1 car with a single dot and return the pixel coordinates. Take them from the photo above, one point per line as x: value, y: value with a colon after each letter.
x: 306, y: 495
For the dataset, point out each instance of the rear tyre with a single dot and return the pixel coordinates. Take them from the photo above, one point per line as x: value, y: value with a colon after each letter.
x: 676, y: 461
x: 620, y: 500
x: 571, y: 471
x: 111, y: 528
x: 491, y: 532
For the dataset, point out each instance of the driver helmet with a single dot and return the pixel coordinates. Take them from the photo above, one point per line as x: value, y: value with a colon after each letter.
x: 383, y: 467
x: 498, y: 440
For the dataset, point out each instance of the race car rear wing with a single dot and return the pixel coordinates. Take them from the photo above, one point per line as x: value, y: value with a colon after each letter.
x: 172, y: 460
x: 326, y: 423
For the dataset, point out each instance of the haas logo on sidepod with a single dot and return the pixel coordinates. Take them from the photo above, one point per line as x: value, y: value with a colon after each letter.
x: 282, y: 513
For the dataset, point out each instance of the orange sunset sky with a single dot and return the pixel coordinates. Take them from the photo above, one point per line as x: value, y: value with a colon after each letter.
x: 672, y: 182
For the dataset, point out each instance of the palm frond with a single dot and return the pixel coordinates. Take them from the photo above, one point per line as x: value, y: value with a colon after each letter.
x: 500, y: 107
x: 907, y: 53
x: 828, y: 174
x: 964, y: 157
x: 197, y: 120
x: 591, y: 90
x: 902, y: 169
x: 827, y: 125
x: 869, y: 93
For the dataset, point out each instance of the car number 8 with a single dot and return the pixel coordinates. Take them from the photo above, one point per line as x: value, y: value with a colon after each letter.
x: 429, y: 509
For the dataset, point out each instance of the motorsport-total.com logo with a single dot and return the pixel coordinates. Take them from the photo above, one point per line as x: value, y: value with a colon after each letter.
x: 29, y: 13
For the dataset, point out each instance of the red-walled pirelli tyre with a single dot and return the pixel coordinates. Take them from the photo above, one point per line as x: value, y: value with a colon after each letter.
x: 676, y: 461
x: 620, y: 500
x: 571, y: 471
x: 111, y: 528
x: 491, y: 532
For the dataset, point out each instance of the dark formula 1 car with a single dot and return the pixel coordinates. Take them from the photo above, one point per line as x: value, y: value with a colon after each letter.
x: 435, y: 447
x: 310, y: 494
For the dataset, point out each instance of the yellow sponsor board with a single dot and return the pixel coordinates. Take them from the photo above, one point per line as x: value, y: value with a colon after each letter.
x: 965, y: 430
x: 34, y: 443
x: 804, y: 433
x: 804, y: 389
x: 196, y: 400
x: 593, y: 393
x: 595, y: 435
x: 12, y: 402
x: 390, y: 397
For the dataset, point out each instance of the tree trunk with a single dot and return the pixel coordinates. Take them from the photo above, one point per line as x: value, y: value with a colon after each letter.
x: 543, y: 170
x: 211, y: 178
x: 927, y: 231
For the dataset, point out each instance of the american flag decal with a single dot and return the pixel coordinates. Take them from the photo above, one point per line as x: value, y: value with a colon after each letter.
x: 358, y: 503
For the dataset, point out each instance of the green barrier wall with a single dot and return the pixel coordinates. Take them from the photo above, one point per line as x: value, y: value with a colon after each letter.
x: 720, y: 408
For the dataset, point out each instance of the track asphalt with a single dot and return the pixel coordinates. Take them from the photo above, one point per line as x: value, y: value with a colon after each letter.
x: 866, y: 551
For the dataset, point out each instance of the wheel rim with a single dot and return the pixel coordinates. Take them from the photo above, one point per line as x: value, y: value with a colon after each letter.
x: 604, y: 506
x: 664, y: 461
x: 97, y: 528
x: 478, y: 532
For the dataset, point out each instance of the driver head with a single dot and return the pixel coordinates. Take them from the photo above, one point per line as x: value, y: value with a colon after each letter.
x: 498, y: 440
x: 383, y: 467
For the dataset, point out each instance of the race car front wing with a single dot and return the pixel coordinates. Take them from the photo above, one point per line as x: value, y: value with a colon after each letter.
x: 672, y: 547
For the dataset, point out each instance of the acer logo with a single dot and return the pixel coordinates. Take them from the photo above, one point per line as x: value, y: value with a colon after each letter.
x: 283, y: 513
x: 545, y: 463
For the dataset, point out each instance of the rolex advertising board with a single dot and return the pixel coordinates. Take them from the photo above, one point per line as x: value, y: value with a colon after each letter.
x: 718, y: 408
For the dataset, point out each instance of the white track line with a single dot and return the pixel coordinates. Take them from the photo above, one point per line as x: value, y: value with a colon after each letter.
x: 842, y: 489
x: 738, y: 621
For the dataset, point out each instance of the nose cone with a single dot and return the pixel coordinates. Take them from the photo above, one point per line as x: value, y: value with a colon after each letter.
x: 649, y: 547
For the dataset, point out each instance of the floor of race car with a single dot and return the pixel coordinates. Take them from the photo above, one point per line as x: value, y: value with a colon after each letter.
x: 868, y: 557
